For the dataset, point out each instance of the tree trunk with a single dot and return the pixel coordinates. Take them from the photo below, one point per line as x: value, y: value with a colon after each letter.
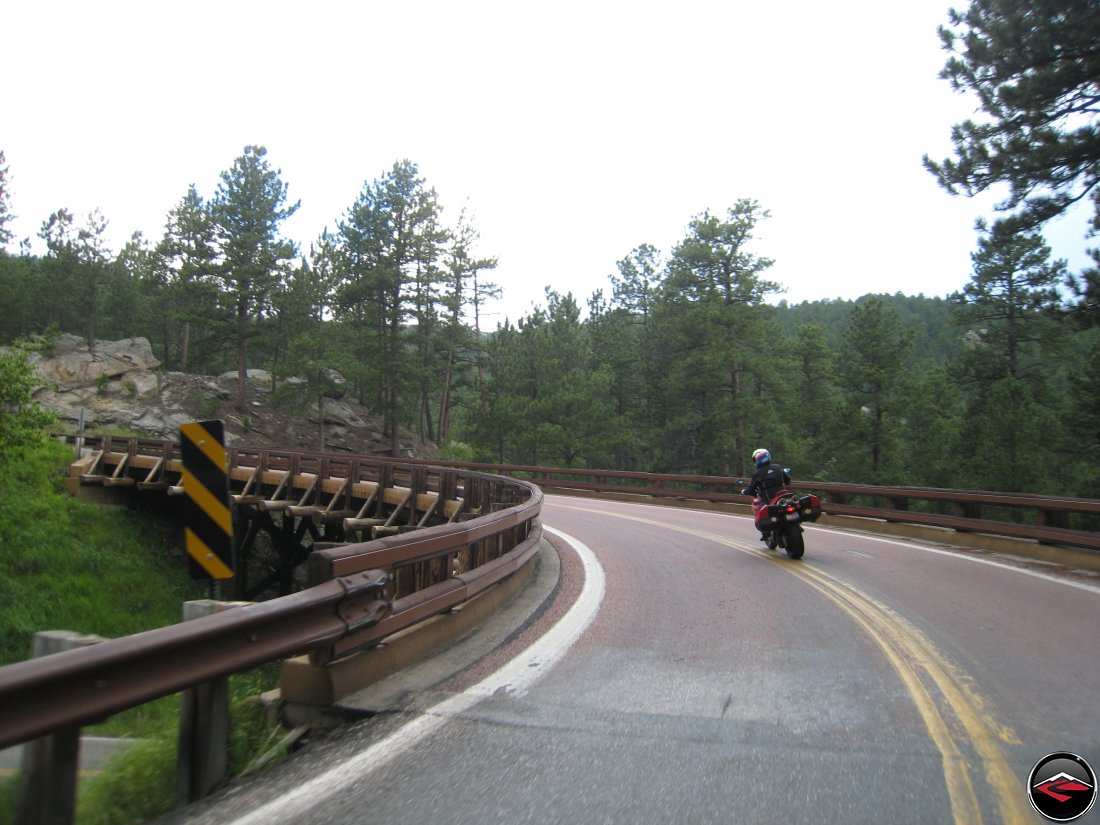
x: 242, y: 359
x: 391, y: 367
x: 445, y: 400
x: 185, y: 345
x: 738, y: 424
x: 426, y: 414
x: 391, y: 422
x: 91, y: 317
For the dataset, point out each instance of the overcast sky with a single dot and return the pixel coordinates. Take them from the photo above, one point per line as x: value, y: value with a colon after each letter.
x: 571, y: 132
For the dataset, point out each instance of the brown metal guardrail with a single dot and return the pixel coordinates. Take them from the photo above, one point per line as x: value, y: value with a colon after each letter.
x: 348, y: 607
x: 350, y: 602
x: 1045, y: 519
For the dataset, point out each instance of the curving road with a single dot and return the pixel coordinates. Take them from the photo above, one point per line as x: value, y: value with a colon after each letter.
x: 688, y: 675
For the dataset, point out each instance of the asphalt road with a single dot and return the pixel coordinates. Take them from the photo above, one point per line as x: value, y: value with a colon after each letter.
x: 684, y: 674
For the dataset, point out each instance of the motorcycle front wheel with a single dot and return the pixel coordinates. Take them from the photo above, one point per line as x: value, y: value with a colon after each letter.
x: 796, y: 546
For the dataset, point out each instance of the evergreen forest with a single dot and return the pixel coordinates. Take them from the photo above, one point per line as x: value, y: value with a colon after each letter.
x: 686, y: 366
x: 690, y: 360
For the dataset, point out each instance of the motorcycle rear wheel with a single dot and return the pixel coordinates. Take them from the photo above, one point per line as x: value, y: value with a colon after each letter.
x: 796, y: 546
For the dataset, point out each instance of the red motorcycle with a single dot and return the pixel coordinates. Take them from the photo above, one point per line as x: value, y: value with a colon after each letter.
x: 781, y: 519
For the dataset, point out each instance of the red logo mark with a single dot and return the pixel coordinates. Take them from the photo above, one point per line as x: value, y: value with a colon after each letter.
x: 1062, y: 787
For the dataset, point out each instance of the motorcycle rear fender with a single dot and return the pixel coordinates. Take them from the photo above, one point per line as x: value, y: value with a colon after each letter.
x: 767, y: 518
x: 775, y: 514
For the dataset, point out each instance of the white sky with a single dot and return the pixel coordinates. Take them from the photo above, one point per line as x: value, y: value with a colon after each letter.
x: 572, y: 132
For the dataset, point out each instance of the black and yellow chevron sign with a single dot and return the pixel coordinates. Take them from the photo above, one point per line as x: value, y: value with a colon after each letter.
x: 208, y: 523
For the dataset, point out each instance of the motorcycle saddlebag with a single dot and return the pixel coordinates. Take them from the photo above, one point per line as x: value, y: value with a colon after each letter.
x: 810, y: 505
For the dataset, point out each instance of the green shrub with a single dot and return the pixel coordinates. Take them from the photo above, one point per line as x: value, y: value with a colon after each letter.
x: 74, y: 566
x: 9, y: 798
x: 22, y: 421
x: 110, y: 572
x: 457, y: 451
x: 210, y: 408
x: 136, y: 785
x: 139, y: 783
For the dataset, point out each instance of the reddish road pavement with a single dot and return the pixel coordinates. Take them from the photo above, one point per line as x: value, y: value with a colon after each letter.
x: 711, y: 680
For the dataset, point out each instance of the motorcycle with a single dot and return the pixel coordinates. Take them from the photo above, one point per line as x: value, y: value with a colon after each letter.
x: 781, y: 518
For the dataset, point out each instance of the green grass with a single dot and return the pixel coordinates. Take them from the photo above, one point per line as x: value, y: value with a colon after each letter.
x: 110, y: 572
x: 74, y: 566
x: 139, y: 782
x: 9, y: 798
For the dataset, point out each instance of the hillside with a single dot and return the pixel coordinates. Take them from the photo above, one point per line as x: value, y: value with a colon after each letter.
x: 117, y: 387
x: 935, y: 334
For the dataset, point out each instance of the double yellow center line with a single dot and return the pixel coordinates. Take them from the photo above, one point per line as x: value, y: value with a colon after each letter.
x: 951, y: 709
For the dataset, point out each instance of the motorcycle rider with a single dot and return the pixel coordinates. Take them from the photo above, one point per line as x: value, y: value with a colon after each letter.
x: 767, y: 480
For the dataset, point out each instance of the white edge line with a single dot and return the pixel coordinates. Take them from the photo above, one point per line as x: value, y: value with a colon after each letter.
x: 915, y: 544
x: 514, y: 678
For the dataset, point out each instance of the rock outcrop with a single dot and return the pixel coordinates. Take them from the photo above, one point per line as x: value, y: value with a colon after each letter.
x: 118, y: 388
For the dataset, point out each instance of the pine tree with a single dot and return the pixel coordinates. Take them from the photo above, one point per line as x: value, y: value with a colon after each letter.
x: 813, y: 399
x: 248, y: 210
x: 311, y: 349
x: 390, y: 244
x: 58, y: 281
x: 715, y: 335
x: 874, y: 378
x: 465, y: 290
x: 1084, y: 422
x: 184, y: 276
x: 1009, y: 306
x: 6, y: 216
x: 1035, y: 69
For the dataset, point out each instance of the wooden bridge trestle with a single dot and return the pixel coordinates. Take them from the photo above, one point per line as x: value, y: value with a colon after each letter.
x: 299, y: 502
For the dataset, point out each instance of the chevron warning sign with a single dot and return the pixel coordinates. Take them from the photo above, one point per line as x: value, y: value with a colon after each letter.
x: 208, y: 523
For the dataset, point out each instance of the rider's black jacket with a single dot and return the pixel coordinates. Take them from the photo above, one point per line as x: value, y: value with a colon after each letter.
x: 768, y: 479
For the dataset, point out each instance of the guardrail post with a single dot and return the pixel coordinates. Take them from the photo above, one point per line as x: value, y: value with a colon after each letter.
x: 967, y: 509
x: 418, y: 484
x: 47, y: 794
x: 203, y: 755
x: 1048, y: 518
